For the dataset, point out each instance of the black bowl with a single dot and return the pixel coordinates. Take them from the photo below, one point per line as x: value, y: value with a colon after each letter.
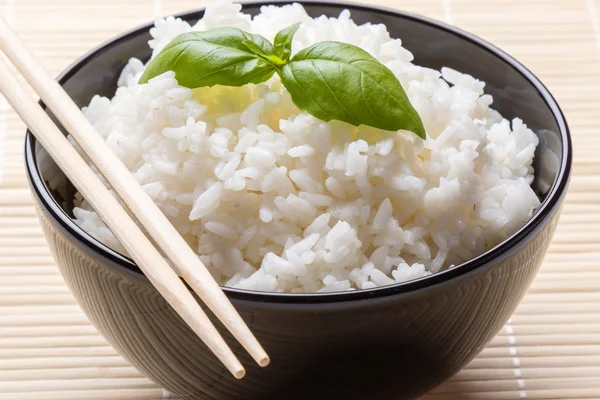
x: 393, y: 342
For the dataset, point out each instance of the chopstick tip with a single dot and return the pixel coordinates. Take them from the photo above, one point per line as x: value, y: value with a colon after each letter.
x: 239, y: 373
x: 264, y: 361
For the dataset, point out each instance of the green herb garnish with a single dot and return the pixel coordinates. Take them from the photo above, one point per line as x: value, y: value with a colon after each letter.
x: 330, y: 80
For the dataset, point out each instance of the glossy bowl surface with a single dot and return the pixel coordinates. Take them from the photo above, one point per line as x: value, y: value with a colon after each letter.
x: 393, y: 342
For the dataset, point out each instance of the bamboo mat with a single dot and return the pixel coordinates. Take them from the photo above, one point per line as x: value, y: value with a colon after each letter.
x: 549, y: 350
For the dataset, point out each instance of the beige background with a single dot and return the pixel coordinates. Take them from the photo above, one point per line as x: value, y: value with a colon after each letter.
x: 551, y: 347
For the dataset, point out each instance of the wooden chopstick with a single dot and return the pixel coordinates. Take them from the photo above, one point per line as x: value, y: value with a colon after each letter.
x: 160, y: 229
x: 116, y: 218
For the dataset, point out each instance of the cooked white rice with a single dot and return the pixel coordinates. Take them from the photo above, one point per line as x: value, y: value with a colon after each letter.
x: 274, y: 199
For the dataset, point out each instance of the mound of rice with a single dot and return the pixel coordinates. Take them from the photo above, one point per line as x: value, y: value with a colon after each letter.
x: 273, y: 199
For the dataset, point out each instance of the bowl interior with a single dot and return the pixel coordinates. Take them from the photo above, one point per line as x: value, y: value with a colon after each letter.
x: 515, y: 90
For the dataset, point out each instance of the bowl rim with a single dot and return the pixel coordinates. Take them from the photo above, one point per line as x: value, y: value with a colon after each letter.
x: 486, y: 260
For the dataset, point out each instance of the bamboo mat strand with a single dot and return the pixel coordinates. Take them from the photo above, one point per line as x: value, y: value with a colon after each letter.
x: 550, y: 349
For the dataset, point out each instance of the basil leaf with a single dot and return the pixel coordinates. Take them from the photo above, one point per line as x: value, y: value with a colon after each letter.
x: 253, y: 47
x: 333, y: 80
x: 214, y: 57
x: 276, y: 61
x: 282, y: 46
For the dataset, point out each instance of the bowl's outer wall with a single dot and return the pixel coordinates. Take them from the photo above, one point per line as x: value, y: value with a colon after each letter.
x: 391, y: 347
x: 395, y: 347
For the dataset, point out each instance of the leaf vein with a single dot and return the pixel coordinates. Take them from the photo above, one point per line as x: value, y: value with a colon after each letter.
x: 400, y: 102
x: 186, y: 48
x: 362, y: 93
x: 333, y: 93
x: 308, y: 96
x: 223, y: 69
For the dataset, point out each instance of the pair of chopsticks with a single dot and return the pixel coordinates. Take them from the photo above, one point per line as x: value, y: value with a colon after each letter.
x: 147, y: 257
